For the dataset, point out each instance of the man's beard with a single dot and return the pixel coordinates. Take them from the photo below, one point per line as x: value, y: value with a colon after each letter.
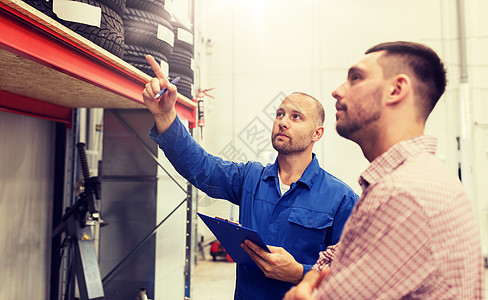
x: 348, y: 129
x: 289, y: 146
x: 364, y: 115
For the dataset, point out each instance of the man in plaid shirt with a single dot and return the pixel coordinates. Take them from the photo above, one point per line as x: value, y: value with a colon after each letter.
x: 413, y: 233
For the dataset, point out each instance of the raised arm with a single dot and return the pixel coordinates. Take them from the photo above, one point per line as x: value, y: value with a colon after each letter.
x: 163, y: 107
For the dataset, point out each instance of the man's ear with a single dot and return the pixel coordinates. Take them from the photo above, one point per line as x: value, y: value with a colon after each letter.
x: 318, y: 133
x: 400, y: 88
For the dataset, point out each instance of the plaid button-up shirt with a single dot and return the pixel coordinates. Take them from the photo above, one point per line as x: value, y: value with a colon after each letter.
x: 411, y: 235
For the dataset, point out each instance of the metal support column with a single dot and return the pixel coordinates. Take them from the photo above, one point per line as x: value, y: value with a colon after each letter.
x: 190, y: 244
x: 466, y: 143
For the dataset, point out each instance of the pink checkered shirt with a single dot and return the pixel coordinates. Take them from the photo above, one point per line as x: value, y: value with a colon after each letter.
x: 411, y: 235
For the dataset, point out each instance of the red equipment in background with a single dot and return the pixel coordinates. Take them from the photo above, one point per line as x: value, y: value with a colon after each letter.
x: 216, y: 250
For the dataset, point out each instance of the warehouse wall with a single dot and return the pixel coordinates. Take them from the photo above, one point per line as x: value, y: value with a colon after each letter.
x: 129, y: 204
x: 26, y: 195
x: 255, y: 52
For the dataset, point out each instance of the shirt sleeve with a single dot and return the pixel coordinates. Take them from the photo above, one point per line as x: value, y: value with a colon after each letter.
x: 306, y: 268
x: 325, y: 258
x: 211, y: 174
x: 381, y: 253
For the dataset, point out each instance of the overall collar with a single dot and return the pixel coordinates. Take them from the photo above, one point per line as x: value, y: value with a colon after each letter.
x: 308, y: 176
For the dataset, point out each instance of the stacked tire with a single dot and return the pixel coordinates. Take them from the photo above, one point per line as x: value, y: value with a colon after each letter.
x: 131, y: 29
x: 148, y: 30
x: 110, y: 34
x: 181, y: 60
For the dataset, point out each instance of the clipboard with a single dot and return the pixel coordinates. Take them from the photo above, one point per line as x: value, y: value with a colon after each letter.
x: 231, y: 236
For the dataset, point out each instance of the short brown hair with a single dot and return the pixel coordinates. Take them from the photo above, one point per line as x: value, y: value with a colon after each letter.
x: 421, y: 61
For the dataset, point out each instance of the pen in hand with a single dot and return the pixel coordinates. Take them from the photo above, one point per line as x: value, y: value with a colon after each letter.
x: 161, y: 92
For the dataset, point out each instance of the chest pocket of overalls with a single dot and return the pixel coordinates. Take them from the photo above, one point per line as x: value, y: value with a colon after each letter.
x: 308, y: 229
x: 310, y: 219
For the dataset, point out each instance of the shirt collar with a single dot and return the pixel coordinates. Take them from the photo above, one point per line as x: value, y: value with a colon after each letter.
x: 308, y: 176
x: 395, y: 156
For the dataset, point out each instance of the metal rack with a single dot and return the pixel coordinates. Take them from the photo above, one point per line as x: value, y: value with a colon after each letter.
x: 49, y: 71
x: 62, y: 70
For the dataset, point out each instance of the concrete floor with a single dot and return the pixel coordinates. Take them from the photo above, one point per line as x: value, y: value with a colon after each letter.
x: 213, y: 280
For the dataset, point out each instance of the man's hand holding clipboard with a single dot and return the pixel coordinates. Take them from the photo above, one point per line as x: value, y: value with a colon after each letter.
x: 245, y: 246
x: 277, y: 264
